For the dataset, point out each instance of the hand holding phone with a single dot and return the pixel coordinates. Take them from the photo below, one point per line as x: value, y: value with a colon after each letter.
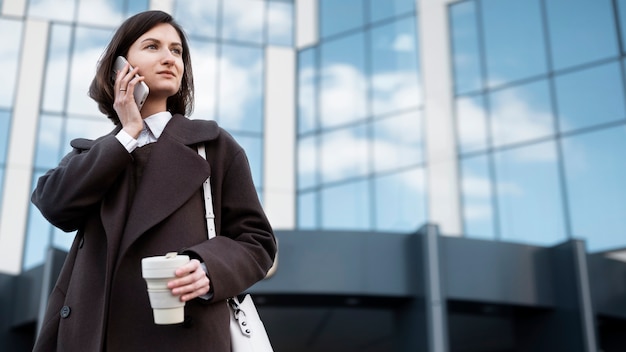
x: 141, y: 90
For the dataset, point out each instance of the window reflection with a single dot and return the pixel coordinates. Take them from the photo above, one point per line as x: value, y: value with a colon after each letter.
x: 198, y: 17
x: 580, y: 31
x: 307, y: 211
x: 339, y: 16
x: 465, y: 49
x: 400, y: 201
x: 514, y: 42
x: 90, y: 128
x: 595, y: 174
x: 48, y: 152
x: 38, y: 233
x: 344, y: 154
x: 243, y: 20
x: 398, y: 141
x: 343, y: 84
x: 88, y: 47
x: 477, y: 196
x: 521, y: 113
x: 101, y: 12
x: 204, y: 79
x: 395, y: 77
x: 279, y: 23
x: 240, y: 88
x: 9, y: 53
x: 307, y: 162
x: 346, y: 207
x: 307, y: 83
x: 57, y: 68
x: 471, y: 123
x: 383, y: 9
x: 590, y: 97
x: 529, y: 195
x: 5, y: 124
x: 61, y: 10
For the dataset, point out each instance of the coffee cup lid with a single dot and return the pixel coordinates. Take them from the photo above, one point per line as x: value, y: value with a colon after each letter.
x: 170, y: 260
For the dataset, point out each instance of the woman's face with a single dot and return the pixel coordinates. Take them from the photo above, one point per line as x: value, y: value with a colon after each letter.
x: 158, y: 54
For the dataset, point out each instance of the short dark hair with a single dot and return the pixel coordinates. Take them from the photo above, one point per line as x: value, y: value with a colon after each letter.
x: 101, y: 89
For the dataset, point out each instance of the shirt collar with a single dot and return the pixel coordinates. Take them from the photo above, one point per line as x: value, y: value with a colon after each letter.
x: 156, y: 123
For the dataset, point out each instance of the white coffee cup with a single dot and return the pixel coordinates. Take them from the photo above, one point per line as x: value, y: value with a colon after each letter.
x: 158, y: 271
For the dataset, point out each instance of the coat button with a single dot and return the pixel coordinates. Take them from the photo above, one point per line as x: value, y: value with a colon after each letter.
x: 65, y: 312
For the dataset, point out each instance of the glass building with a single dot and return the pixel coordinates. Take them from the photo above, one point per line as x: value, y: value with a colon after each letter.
x: 496, y: 120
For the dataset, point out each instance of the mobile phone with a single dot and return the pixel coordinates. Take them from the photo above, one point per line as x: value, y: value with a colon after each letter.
x: 141, y: 90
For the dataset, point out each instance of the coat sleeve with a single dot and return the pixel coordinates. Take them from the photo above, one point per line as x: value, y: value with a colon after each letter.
x: 244, y: 250
x: 66, y: 193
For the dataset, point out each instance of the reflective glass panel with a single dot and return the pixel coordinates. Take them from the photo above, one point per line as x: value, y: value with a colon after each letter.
x: 581, y: 31
x: 38, y: 233
x: 344, y: 153
x: 477, y: 196
x: 394, y: 67
x: 471, y: 123
x: 465, y: 47
x: 595, y: 174
x: 135, y: 6
x: 518, y: 22
x: 529, y: 195
x: 307, y: 102
x: 398, y: 141
x: 343, y: 84
x: 401, y: 201
x: 2, y: 169
x: 88, y: 47
x: 382, y: 9
x: 5, y: 128
x: 198, y: 17
x: 339, y: 16
x: 253, y: 147
x: 307, y: 162
x: 48, y: 152
x: 346, y: 207
x: 10, y: 46
x: 204, y: 64
x: 90, y: 128
x: 279, y: 23
x: 241, y: 88
x: 243, y: 20
x: 62, y: 10
x: 590, y: 97
x: 307, y: 211
x: 621, y: 12
x: 110, y: 12
x: 57, y: 67
x: 521, y: 113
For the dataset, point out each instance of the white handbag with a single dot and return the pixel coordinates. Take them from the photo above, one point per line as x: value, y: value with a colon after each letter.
x: 247, y: 332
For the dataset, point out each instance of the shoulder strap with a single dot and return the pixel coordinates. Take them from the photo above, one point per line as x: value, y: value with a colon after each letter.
x: 208, y: 199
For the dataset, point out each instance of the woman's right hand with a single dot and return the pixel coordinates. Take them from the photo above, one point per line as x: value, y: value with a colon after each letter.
x: 124, y: 103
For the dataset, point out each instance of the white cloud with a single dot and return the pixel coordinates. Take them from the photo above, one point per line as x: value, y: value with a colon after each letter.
x: 404, y: 42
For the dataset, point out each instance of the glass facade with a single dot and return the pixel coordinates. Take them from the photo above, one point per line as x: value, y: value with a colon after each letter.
x: 539, y: 111
x: 361, y: 162
x: 227, y: 41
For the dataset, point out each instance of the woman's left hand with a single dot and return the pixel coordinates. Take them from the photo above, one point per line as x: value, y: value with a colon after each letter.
x: 191, y: 281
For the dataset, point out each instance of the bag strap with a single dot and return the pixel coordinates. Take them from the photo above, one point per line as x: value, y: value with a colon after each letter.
x: 209, y: 214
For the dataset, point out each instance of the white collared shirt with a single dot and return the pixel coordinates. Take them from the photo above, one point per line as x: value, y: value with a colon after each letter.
x: 153, y: 126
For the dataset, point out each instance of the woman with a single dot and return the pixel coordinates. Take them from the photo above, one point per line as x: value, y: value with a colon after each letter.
x: 137, y: 192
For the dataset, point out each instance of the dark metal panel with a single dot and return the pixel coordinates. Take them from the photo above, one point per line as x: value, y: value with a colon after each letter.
x: 353, y: 263
x: 608, y: 285
x: 497, y: 272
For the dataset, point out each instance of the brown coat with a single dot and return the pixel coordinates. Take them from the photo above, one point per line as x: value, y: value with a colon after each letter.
x: 100, y: 300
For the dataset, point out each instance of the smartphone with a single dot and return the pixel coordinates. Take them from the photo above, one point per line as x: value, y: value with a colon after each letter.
x: 141, y: 90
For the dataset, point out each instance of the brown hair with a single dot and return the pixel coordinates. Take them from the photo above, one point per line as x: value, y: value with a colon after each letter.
x: 101, y: 89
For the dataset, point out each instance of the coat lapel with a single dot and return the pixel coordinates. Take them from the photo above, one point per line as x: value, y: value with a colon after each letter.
x: 173, y: 174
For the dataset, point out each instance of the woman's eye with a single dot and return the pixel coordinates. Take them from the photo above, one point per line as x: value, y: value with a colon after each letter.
x: 151, y: 46
x: 177, y: 51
